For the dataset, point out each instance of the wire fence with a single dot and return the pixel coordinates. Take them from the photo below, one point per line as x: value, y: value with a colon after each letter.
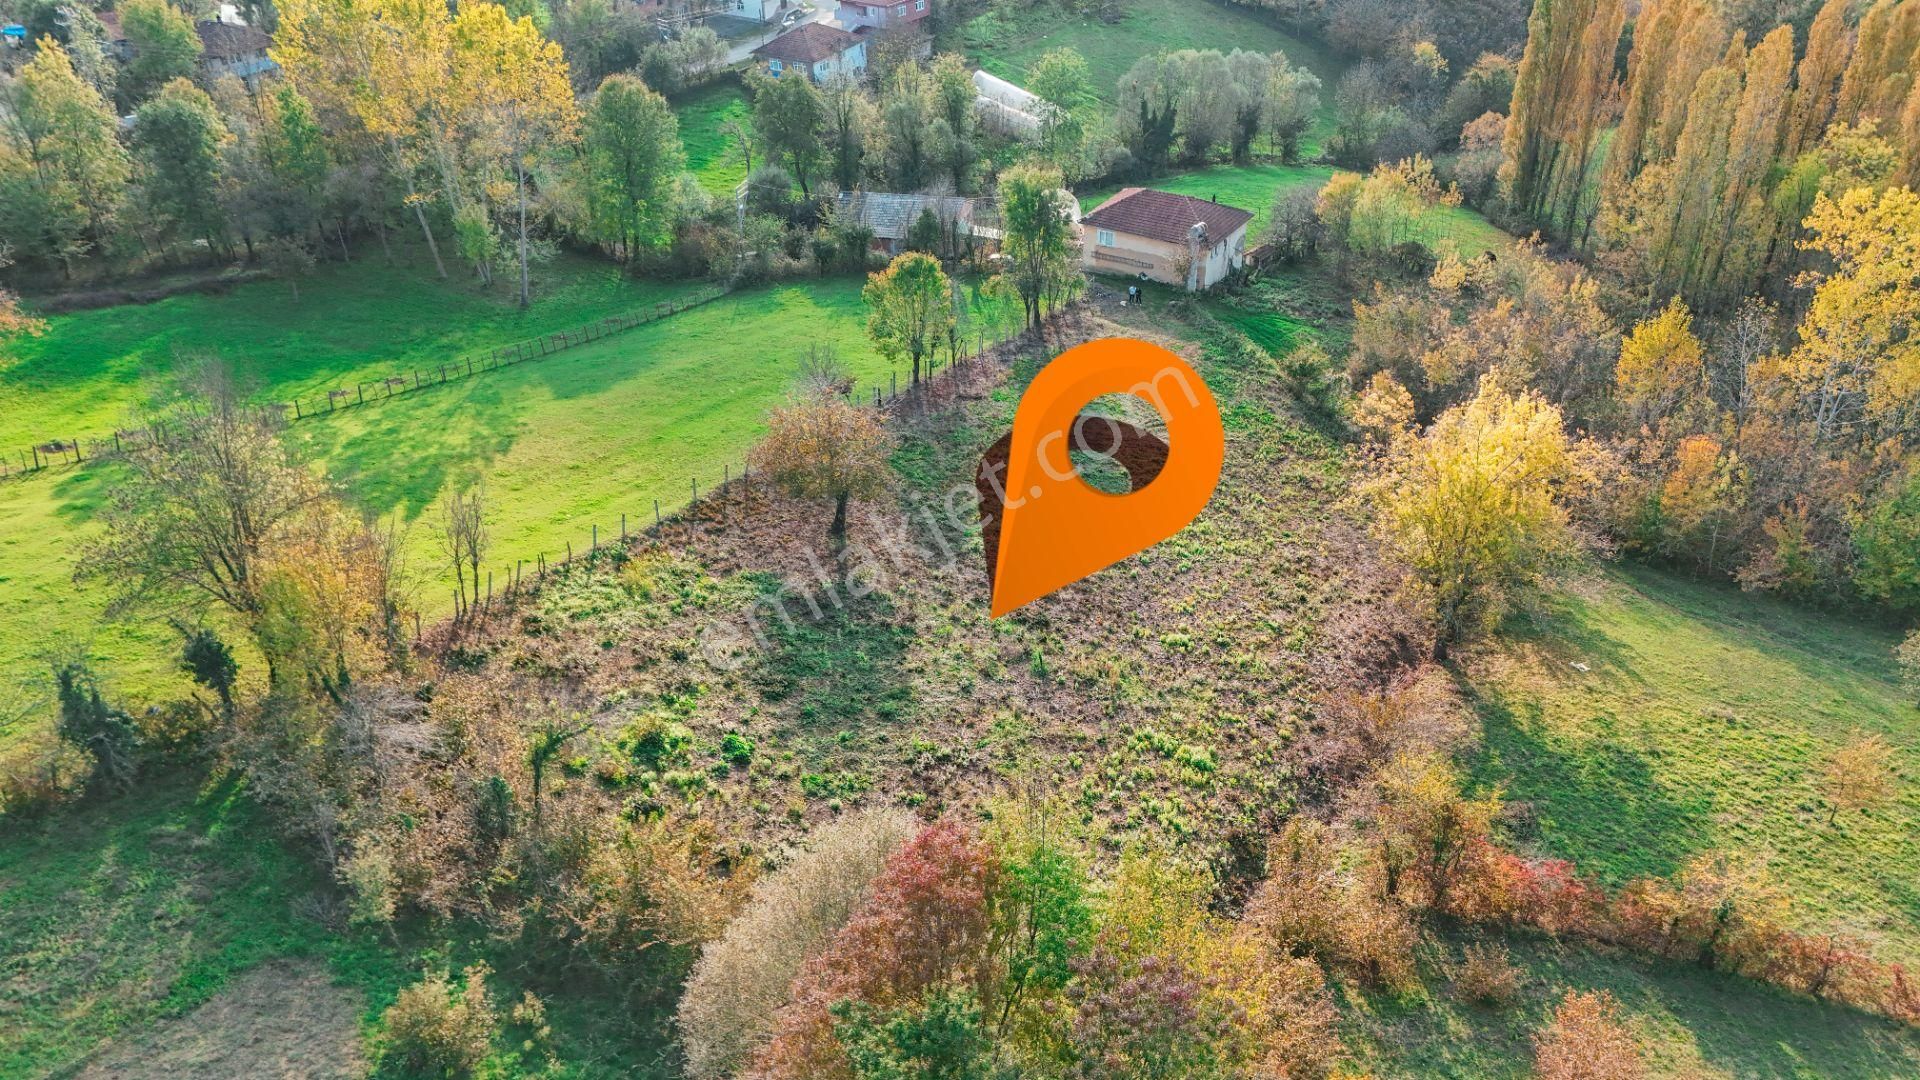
x: 500, y: 589
x: 76, y: 450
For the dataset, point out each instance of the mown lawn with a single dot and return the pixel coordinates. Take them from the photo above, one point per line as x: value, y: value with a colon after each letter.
x: 581, y: 438
x: 1689, y: 1023
x: 93, y: 370
x: 712, y: 155
x: 1006, y: 48
x: 1647, y: 718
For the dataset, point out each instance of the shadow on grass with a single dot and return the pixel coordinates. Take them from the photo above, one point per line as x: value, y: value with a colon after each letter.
x: 1688, y: 1021
x: 1598, y: 802
x: 403, y: 458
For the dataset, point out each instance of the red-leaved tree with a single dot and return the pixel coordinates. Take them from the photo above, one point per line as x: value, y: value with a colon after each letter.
x: 924, y: 925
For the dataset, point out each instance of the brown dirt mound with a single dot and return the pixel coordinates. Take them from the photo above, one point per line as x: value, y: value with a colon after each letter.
x: 280, y: 1020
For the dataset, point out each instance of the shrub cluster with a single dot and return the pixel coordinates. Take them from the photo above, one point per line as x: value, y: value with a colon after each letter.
x: 975, y: 954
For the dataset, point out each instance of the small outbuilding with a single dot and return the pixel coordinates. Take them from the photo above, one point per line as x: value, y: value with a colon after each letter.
x: 891, y: 217
x: 1160, y: 236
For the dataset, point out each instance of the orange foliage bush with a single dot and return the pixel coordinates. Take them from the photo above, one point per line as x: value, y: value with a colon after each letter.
x: 925, y: 924
x: 1586, y: 1041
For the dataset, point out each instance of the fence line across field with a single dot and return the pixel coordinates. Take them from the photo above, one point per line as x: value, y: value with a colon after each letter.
x: 514, y: 579
x: 76, y: 450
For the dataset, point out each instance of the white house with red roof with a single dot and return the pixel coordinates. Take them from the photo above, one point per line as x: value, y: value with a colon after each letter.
x: 818, y: 50
x: 1160, y: 236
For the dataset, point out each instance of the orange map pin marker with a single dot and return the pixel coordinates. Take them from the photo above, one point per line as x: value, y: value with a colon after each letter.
x: 1056, y: 528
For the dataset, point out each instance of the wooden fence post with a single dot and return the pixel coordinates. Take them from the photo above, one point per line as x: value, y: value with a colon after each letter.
x: 656, y: 513
x: 623, y: 528
x: 596, y: 538
x: 361, y: 389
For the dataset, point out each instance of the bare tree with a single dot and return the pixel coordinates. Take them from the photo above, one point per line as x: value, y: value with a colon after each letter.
x: 822, y: 374
x: 464, y: 539
x: 1749, y: 336
x: 204, y: 495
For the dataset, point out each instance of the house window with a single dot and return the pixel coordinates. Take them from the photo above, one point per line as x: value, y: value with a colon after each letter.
x: 773, y: 66
x: 900, y: 10
x: 1104, y: 238
x: 919, y: 5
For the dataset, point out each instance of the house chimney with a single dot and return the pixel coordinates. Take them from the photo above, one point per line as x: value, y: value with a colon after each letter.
x: 1193, y: 255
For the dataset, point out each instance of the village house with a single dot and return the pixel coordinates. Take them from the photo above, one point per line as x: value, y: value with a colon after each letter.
x: 818, y: 50
x: 232, y: 49
x: 1160, y: 236
x: 891, y: 217
x: 880, y: 14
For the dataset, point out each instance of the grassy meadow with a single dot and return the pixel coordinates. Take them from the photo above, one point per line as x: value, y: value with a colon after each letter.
x: 712, y: 155
x: 1646, y: 717
x: 169, y: 932
x: 1007, y: 47
x: 93, y: 370
x: 1690, y: 1023
x: 913, y: 694
x: 560, y: 445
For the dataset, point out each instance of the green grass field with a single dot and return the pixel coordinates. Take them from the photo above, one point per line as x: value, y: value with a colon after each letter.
x: 125, y: 914
x: 135, y: 909
x: 1690, y: 1023
x: 713, y: 156
x: 579, y: 439
x: 92, y: 370
x: 561, y: 445
x: 1006, y: 48
x: 1647, y: 717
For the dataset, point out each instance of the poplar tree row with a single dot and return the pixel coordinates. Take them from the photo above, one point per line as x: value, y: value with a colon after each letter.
x: 1720, y: 146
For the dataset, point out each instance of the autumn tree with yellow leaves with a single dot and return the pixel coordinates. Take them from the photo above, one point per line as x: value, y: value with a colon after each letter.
x: 460, y: 106
x: 516, y: 99
x: 1855, y: 374
x: 1476, y: 506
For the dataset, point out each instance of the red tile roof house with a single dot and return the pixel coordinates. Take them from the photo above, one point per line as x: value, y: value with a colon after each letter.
x: 819, y: 50
x: 1161, y: 236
